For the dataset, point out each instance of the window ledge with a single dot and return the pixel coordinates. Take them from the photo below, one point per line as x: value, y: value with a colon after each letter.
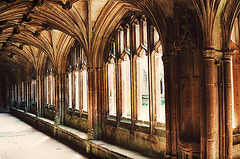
x: 125, y: 120
x: 160, y: 128
x: 142, y: 124
x: 112, y: 118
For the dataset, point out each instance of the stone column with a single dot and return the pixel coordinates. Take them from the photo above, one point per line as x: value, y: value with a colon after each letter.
x: 25, y: 95
x: 38, y: 95
x: 228, y: 104
x: 91, y: 103
x: 101, y: 108
x: 30, y: 95
x: 42, y: 95
x: 167, y: 107
x: 62, y: 97
x: 210, y: 104
x: 56, y: 101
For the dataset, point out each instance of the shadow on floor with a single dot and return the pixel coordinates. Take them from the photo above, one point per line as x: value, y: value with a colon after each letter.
x: 4, y: 109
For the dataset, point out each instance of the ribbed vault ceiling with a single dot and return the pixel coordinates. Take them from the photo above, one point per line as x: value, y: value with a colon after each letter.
x: 31, y: 30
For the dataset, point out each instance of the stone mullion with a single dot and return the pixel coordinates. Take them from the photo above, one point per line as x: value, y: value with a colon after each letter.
x: 74, y: 90
x: 105, y: 95
x: 133, y: 75
x: 125, y: 37
x: 135, y: 93
x: 81, y: 91
x: 151, y: 79
x: 141, y: 32
x: 118, y: 78
x: 153, y: 68
x: 78, y: 85
x: 106, y: 86
x: 228, y: 105
x: 49, y: 90
x: 119, y: 92
x: 210, y: 104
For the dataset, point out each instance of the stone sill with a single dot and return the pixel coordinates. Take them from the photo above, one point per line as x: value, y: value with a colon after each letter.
x: 98, y: 148
x: 140, y: 126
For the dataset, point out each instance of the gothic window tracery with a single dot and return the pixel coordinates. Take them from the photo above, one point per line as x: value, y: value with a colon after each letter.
x: 49, y: 84
x: 77, y: 80
x: 128, y: 72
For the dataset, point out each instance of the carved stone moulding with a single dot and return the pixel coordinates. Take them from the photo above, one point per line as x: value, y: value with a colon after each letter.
x: 190, y: 148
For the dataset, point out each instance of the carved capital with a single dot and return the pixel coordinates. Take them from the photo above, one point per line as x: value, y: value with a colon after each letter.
x: 227, y: 55
x: 209, y: 54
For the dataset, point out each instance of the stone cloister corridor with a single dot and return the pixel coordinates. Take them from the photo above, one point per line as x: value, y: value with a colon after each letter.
x: 125, y: 78
x: 19, y: 140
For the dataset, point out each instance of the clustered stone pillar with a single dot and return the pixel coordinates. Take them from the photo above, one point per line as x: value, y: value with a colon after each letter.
x: 90, y: 103
x: 210, y: 104
x: 62, y: 99
x: 57, y: 103
x: 171, y: 106
x: 42, y: 96
x: 101, y: 106
x: 168, y: 109
x: 38, y: 95
x: 228, y: 104
x: 25, y: 95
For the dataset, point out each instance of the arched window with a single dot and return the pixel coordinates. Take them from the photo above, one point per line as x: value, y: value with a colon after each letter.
x: 235, y: 41
x: 70, y: 88
x: 49, y: 91
x: 76, y: 86
x: 49, y: 84
x: 111, y: 85
x: 23, y: 94
x: 142, y: 81
x: 158, y: 78
x: 125, y: 77
x: 84, y: 88
x: 34, y: 90
x: 135, y: 73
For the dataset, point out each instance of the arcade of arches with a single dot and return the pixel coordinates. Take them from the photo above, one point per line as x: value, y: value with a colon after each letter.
x: 156, y: 76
